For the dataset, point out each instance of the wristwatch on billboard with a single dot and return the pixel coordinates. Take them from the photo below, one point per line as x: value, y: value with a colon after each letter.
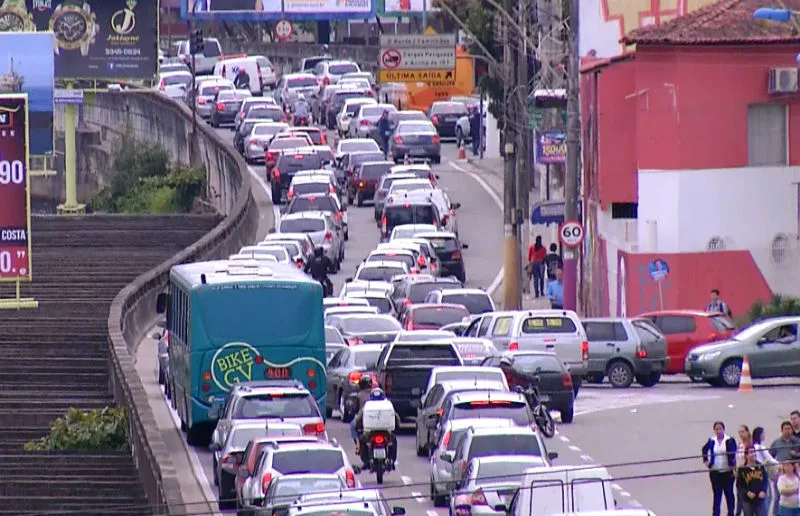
x: 74, y: 25
x: 14, y: 17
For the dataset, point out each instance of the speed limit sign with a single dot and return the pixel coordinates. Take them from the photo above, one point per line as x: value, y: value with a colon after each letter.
x: 283, y: 30
x: 571, y: 233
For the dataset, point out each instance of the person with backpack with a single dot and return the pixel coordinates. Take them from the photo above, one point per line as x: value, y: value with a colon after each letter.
x: 717, y: 305
x: 552, y: 262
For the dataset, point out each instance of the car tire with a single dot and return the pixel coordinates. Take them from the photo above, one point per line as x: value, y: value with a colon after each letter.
x: 437, y: 160
x: 567, y: 415
x: 648, y: 380
x: 730, y: 373
x: 422, y: 450
x: 620, y: 374
x: 595, y: 378
x: 359, y: 200
x: 438, y: 500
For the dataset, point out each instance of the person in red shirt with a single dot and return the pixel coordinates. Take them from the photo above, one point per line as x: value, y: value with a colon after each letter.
x: 536, y: 254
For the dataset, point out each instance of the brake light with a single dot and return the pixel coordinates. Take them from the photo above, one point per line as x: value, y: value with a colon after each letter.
x: 364, y: 122
x: 440, y: 411
x: 361, y: 184
x: 457, y: 255
x: 290, y: 193
x: 351, y: 479
x: 314, y: 428
x: 714, y: 336
x: 251, y: 141
x: 379, y: 440
x: 514, y: 346
x: 410, y: 325
x: 162, y: 85
x: 220, y: 106
x: 276, y: 173
x: 489, y: 403
x: 241, y: 114
x: 265, y: 480
x: 435, y: 138
x: 398, y: 139
x: 283, y: 119
x: 331, y: 189
x: 201, y: 101
x: 326, y: 81
x: 230, y: 460
x: 406, y: 302
x: 354, y: 341
x: 452, y: 213
x: 435, y: 120
x: 415, y: 271
x: 354, y: 377
x: 444, y: 219
x: 328, y: 236
x: 585, y: 350
x: 323, y: 138
x: 566, y: 381
x: 477, y: 498
x: 446, y: 439
x: 270, y: 156
x: 370, y: 94
x: 641, y: 353
x: 299, y: 264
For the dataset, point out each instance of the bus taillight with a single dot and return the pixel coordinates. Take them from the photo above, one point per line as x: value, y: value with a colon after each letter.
x: 206, y: 375
x: 311, y: 372
x: 314, y: 429
x: 206, y: 387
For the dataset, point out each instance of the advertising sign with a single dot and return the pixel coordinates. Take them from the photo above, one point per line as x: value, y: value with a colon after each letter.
x: 551, y: 147
x: 407, y: 7
x: 94, y: 39
x: 15, y: 214
x: 26, y: 66
x: 260, y: 10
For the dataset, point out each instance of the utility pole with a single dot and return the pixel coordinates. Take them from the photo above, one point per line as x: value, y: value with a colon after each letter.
x: 511, y: 296
x: 573, y: 164
x: 523, y: 155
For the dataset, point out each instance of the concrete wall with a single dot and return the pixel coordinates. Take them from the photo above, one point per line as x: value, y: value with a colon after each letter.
x: 157, y: 117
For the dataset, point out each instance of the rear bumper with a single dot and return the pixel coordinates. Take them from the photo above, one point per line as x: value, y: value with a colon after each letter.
x: 402, y: 405
x: 650, y: 366
x: 451, y: 268
x: 560, y: 400
x: 224, y: 118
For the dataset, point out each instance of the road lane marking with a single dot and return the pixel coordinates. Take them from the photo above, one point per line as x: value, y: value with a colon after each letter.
x: 406, y: 479
x: 498, y: 280
x: 574, y: 448
x: 564, y: 438
x: 616, y: 487
x: 625, y: 494
x: 586, y: 458
x: 433, y: 513
x: 418, y: 496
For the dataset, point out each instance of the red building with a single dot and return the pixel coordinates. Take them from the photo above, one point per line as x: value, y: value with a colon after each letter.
x: 681, y: 101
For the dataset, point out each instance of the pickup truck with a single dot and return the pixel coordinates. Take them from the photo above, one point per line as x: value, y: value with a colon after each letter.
x: 404, y: 368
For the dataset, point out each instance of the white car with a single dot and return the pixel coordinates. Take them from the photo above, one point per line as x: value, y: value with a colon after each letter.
x: 349, y: 110
x: 174, y: 84
x: 348, y: 145
x: 446, y: 209
x: 410, y: 185
x: 404, y: 231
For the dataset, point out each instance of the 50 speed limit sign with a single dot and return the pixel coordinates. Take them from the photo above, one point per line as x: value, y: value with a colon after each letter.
x: 571, y: 233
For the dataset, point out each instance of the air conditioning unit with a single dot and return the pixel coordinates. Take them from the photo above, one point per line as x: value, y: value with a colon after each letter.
x: 782, y: 80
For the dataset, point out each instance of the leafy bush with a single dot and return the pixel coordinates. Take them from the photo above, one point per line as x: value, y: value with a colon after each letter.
x: 778, y: 306
x: 92, y: 430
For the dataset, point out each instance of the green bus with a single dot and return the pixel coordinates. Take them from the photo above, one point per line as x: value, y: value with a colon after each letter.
x: 232, y: 322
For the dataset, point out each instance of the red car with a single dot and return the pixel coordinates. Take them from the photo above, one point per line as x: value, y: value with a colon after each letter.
x: 687, y: 329
x: 432, y: 317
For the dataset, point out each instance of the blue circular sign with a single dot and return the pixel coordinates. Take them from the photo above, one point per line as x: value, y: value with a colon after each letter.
x: 658, y: 269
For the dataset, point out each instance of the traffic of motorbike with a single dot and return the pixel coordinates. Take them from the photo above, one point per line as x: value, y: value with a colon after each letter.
x: 376, y: 424
x: 541, y: 414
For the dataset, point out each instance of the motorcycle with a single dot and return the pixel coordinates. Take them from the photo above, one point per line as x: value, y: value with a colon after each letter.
x: 301, y: 121
x: 541, y: 415
x: 378, y: 454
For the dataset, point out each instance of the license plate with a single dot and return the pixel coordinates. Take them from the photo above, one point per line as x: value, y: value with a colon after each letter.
x: 379, y: 453
x: 417, y: 152
x: 278, y: 373
x: 544, y: 397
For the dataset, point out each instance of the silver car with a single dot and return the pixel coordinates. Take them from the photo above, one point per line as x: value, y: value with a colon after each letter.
x: 259, y: 137
x: 174, y: 84
x: 205, y: 92
x: 291, y: 86
x: 321, y: 227
x: 250, y: 103
x: 255, y: 252
x: 491, y: 482
x: 415, y: 139
x: 382, y: 191
x: 365, y: 123
x: 361, y: 502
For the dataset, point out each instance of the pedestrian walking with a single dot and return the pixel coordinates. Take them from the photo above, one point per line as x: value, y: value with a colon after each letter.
x: 717, y: 305
x: 788, y: 489
x: 751, y: 485
x: 782, y: 450
x: 765, y: 459
x: 536, y: 254
x: 555, y: 290
x: 719, y: 455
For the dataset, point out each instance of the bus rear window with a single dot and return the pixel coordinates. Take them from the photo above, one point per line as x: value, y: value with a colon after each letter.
x: 548, y: 325
x: 263, y: 406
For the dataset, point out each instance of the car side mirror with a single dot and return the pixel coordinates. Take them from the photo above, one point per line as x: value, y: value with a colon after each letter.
x: 398, y: 511
x: 156, y: 336
x: 552, y: 455
x: 348, y: 280
x: 214, y: 446
x: 447, y: 456
x: 271, y: 231
x: 464, y: 246
x: 161, y: 303
x: 455, y: 205
x: 436, y: 176
x: 501, y: 508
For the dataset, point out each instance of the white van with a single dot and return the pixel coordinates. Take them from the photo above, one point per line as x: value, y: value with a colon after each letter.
x: 259, y: 68
x: 560, y: 490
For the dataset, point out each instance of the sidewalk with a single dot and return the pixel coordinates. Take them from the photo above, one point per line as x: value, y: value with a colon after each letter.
x: 491, y: 171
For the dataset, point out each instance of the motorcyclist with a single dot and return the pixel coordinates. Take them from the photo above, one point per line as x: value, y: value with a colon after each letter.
x: 384, y: 131
x: 513, y: 377
x: 242, y: 81
x: 364, y: 391
x: 377, y: 394
x: 301, y: 109
x: 475, y: 129
x: 318, y: 267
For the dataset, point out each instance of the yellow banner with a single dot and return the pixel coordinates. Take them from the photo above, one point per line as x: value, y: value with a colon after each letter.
x: 438, y: 76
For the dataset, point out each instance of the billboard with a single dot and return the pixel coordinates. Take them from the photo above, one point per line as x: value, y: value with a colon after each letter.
x: 15, y: 202
x: 94, y: 39
x: 26, y: 66
x: 261, y: 10
x: 406, y: 7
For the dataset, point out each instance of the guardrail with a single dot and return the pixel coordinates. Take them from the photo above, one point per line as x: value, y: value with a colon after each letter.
x: 154, y: 116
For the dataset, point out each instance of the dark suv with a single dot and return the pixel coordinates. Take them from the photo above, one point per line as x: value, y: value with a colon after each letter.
x: 286, y: 166
x: 448, y: 249
x: 414, y: 287
x: 350, y: 163
x: 364, y: 182
x: 397, y: 212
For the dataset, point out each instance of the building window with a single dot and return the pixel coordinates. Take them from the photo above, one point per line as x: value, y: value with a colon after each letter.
x: 766, y: 135
x: 716, y: 244
x: 624, y: 210
x: 780, y: 248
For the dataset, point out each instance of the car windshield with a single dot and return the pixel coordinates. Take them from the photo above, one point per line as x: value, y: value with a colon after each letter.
x: 302, y: 225
x: 537, y: 363
x: 409, y: 232
x: 343, y: 68
x: 493, y: 445
x: 332, y: 336
x: 224, y: 96
x: 261, y: 113
x: 172, y: 80
x: 260, y: 406
x: 379, y: 273
x: 383, y: 304
x: 358, y: 145
x: 287, y: 143
x: 301, y: 82
x: 449, y: 108
x: 451, y: 376
x: 241, y: 436
x: 315, y: 136
x: 416, y: 115
x: 212, y: 90
x: 300, y: 460
x: 321, y: 203
x: 341, y: 511
x: 411, y: 186
x: 475, y: 303
x: 352, y: 109
x: 511, y: 410
x: 370, y: 324
x: 366, y: 359
x: 409, y: 214
x: 444, y: 244
x: 438, y: 316
x: 311, y: 188
x: 375, y: 171
x: 408, y: 128
x: 266, y: 130
x: 375, y: 111
x: 280, y: 254
x: 419, y: 291
x: 290, y: 488
x: 548, y: 325
x: 428, y: 351
x: 505, y: 472
x: 393, y: 257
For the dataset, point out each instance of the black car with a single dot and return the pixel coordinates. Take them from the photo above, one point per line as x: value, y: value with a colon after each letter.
x: 226, y: 106
x: 401, y: 211
x: 449, y: 250
x: 286, y: 166
x: 344, y: 371
x: 363, y: 183
x: 413, y: 288
x: 349, y: 163
x: 548, y: 373
x: 444, y: 116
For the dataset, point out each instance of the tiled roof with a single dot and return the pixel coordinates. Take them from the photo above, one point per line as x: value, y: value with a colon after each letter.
x: 724, y: 22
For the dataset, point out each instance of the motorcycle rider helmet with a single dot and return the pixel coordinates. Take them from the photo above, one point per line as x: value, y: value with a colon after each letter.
x: 377, y: 395
x: 505, y: 360
x: 319, y: 252
x: 365, y: 383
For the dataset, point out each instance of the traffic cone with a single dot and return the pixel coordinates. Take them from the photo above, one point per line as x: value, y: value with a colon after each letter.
x: 745, y: 380
x: 462, y: 152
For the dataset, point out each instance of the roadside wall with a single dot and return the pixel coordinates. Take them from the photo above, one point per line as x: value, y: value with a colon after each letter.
x: 156, y: 117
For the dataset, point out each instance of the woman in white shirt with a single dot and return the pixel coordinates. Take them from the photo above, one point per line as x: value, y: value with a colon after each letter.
x: 789, y: 490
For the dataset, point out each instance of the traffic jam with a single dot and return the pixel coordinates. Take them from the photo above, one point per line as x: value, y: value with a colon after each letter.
x: 411, y: 349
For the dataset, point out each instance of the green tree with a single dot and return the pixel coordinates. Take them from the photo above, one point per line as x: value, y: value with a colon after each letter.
x: 91, y: 430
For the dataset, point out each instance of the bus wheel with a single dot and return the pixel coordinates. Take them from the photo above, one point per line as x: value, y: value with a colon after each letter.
x: 198, y: 435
